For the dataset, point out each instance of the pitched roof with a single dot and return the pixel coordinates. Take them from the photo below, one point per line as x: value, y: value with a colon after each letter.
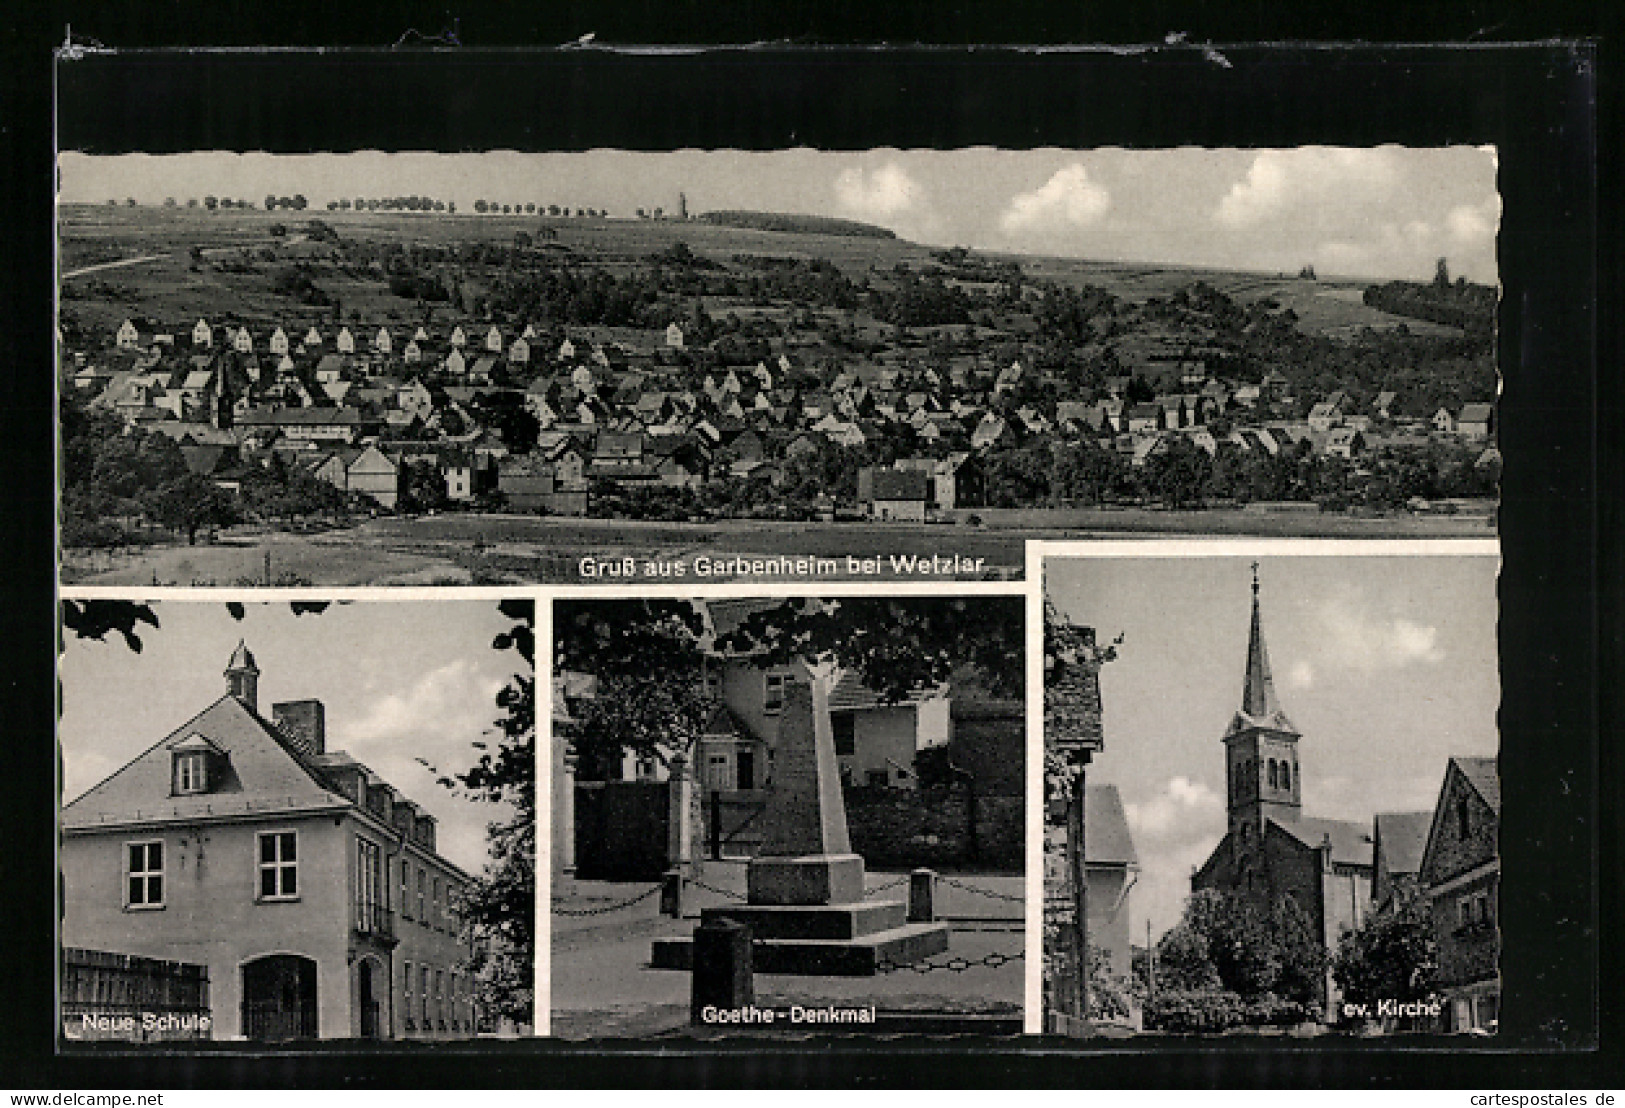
x: 1484, y: 777
x: 851, y: 694
x: 1351, y: 841
x: 1404, y: 835
x: 1107, y: 841
x: 265, y: 774
x: 901, y: 484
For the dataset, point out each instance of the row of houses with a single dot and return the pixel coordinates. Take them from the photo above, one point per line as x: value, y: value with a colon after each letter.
x: 606, y: 415
x: 383, y: 341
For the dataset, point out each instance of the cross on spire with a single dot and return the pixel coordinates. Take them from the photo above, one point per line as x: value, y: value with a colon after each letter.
x: 1258, y: 690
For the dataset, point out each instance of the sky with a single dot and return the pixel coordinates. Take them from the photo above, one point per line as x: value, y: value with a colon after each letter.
x: 1387, y: 665
x: 400, y: 681
x: 1380, y: 212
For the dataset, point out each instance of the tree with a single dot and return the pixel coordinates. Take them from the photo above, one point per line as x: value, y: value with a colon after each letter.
x: 191, y: 503
x: 1441, y: 274
x: 499, y: 907
x: 647, y: 659
x: 270, y: 202
x: 299, y: 203
x: 1391, y: 956
x: 211, y: 202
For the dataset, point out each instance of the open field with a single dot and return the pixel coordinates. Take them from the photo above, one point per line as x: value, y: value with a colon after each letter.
x: 475, y: 549
x: 167, y: 289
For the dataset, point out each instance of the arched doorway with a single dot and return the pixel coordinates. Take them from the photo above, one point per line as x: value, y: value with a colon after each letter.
x: 279, y: 998
x: 368, y: 978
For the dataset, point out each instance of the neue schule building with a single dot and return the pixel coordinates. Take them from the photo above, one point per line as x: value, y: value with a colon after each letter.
x: 307, y: 889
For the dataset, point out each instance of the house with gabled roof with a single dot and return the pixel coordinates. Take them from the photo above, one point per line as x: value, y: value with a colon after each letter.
x: 991, y: 431
x: 309, y: 889
x: 1461, y: 879
x: 1476, y: 421
x: 202, y: 333
x: 894, y: 494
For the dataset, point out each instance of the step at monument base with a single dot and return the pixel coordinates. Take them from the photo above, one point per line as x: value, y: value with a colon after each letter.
x: 828, y: 921
x: 861, y: 956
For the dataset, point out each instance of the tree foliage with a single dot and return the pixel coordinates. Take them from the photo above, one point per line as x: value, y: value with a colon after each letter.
x: 1391, y: 956
x: 499, y: 906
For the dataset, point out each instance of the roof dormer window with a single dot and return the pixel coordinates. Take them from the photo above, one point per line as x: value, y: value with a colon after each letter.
x: 197, y: 766
x: 191, y: 772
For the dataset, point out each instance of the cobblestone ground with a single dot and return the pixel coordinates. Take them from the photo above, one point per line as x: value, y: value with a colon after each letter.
x: 602, y: 984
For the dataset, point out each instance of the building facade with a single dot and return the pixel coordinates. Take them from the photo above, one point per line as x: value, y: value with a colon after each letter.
x: 310, y: 889
x: 1461, y: 878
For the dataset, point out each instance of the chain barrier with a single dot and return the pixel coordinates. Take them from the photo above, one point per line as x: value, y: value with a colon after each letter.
x: 991, y: 895
x: 732, y: 897
x: 888, y: 885
x: 955, y: 964
x: 606, y: 909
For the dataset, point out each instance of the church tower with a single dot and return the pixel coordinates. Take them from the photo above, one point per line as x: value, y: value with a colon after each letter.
x: 1261, y: 749
x: 243, y: 677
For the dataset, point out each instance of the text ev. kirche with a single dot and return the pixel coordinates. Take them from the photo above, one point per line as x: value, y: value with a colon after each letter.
x: 779, y: 565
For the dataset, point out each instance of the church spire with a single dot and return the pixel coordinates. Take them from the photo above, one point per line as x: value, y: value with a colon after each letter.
x: 1258, y: 689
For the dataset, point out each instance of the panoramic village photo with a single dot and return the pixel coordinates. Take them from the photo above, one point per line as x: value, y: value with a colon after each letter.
x: 493, y: 368
x: 1304, y: 840
x: 788, y: 816
x: 294, y: 821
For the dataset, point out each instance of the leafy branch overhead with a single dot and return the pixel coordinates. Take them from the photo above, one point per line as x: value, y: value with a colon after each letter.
x: 896, y: 645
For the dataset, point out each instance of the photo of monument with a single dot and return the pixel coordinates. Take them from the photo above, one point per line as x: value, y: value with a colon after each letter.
x: 1310, y: 830
x: 778, y: 816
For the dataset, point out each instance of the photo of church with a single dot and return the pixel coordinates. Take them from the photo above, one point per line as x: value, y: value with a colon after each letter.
x: 1322, y: 794
x: 275, y: 867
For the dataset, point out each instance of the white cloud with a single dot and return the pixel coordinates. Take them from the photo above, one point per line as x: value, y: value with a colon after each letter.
x: 437, y: 718
x: 1474, y: 224
x: 1356, y: 638
x: 1174, y: 831
x: 880, y: 194
x: 1068, y: 199
x: 1172, y: 811
x: 441, y: 697
x: 1279, y: 180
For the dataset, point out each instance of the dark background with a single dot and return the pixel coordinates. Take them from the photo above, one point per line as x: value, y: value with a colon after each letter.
x: 1538, y: 104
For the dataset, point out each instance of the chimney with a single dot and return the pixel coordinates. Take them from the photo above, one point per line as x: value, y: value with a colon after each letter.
x: 304, y: 722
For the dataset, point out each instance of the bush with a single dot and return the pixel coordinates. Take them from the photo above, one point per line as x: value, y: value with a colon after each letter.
x: 1195, y: 1013
x: 1269, y: 1010
x: 93, y: 534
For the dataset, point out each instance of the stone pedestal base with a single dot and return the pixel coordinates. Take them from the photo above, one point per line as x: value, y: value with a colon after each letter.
x: 808, y: 880
x: 862, y: 955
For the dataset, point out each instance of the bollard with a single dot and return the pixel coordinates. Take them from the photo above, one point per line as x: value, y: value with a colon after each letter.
x: 671, y: 893
x: 922, y: 896
x: 722, y: 968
